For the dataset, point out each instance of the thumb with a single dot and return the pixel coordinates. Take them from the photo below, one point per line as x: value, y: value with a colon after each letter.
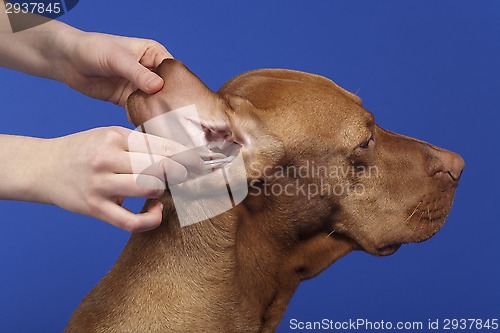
x: 140, y: 76
x: 144, y: 79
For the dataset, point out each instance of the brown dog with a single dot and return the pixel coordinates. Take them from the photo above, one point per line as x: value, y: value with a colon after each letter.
x: 236, y: 272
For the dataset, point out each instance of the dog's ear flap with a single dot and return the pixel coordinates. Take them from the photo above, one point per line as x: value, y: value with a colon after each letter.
x: 224, y: 117
x: 181, y: 88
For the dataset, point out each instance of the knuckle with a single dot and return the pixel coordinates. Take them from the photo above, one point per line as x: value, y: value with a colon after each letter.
x: 131, y: 225
x: 93, y: 206
x: 152, y: 42
x: 100, y: 161
x: 154, y: 45
x: 114, y: 134
x: 138, y: 72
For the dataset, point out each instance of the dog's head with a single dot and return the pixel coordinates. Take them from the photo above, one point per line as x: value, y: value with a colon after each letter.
x: 320, y: 171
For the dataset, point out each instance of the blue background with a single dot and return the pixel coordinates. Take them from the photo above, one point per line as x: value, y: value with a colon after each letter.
x: 428, y: 69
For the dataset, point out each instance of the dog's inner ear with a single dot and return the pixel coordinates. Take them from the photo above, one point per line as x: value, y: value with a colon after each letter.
x: 223, y: 118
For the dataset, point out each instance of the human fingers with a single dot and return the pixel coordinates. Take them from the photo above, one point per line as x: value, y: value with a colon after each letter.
x: 154, y: 54
x: 124, y: 219
x: 150, y: 52
x: 163, y: 170
x: 130, y: 185
x: 126, y: 66
x: 159, y: 148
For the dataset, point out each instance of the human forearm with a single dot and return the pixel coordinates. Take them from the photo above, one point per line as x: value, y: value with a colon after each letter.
x: 38, y: 51
x: 98, y: 65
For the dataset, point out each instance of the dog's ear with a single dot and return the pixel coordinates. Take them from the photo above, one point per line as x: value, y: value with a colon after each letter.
x: 261, y: 148
x: 181, y: 88
x: 222, y: 117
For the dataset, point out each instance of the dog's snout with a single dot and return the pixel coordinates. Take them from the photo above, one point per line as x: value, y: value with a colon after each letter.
x: 450, y: 163
x: 455, y: 164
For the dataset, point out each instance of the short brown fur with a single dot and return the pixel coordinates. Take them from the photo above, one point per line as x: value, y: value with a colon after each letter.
x: 237, y: 272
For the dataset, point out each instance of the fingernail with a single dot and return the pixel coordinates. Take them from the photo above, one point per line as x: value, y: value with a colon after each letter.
x: 154, y: 82
x: 176, y: 173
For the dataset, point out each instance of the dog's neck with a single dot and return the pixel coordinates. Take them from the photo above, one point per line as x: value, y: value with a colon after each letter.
x: 225, y: 274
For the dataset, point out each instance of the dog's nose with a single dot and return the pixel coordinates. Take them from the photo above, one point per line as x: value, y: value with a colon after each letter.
x: 451, y: 163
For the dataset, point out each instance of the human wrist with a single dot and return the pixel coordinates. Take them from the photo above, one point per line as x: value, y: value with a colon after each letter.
x: 61, y: 40
x: 25, y: 161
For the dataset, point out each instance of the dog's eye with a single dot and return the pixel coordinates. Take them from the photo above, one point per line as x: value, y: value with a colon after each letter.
x: 366, y: 144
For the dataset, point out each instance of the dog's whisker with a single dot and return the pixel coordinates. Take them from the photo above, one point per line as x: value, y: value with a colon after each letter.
x: 414, y: 211
x: 421, y: 216
x: 330, y: 233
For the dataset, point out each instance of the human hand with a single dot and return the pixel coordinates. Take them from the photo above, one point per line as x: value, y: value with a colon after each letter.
x: 111, y: 67
x: 90, y: 173
x: 101, y: 66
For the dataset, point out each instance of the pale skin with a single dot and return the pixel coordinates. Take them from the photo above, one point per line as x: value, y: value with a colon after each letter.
x: 89, y: 172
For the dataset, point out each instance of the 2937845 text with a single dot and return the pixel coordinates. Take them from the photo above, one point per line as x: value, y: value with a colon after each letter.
x: 446, y: 324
